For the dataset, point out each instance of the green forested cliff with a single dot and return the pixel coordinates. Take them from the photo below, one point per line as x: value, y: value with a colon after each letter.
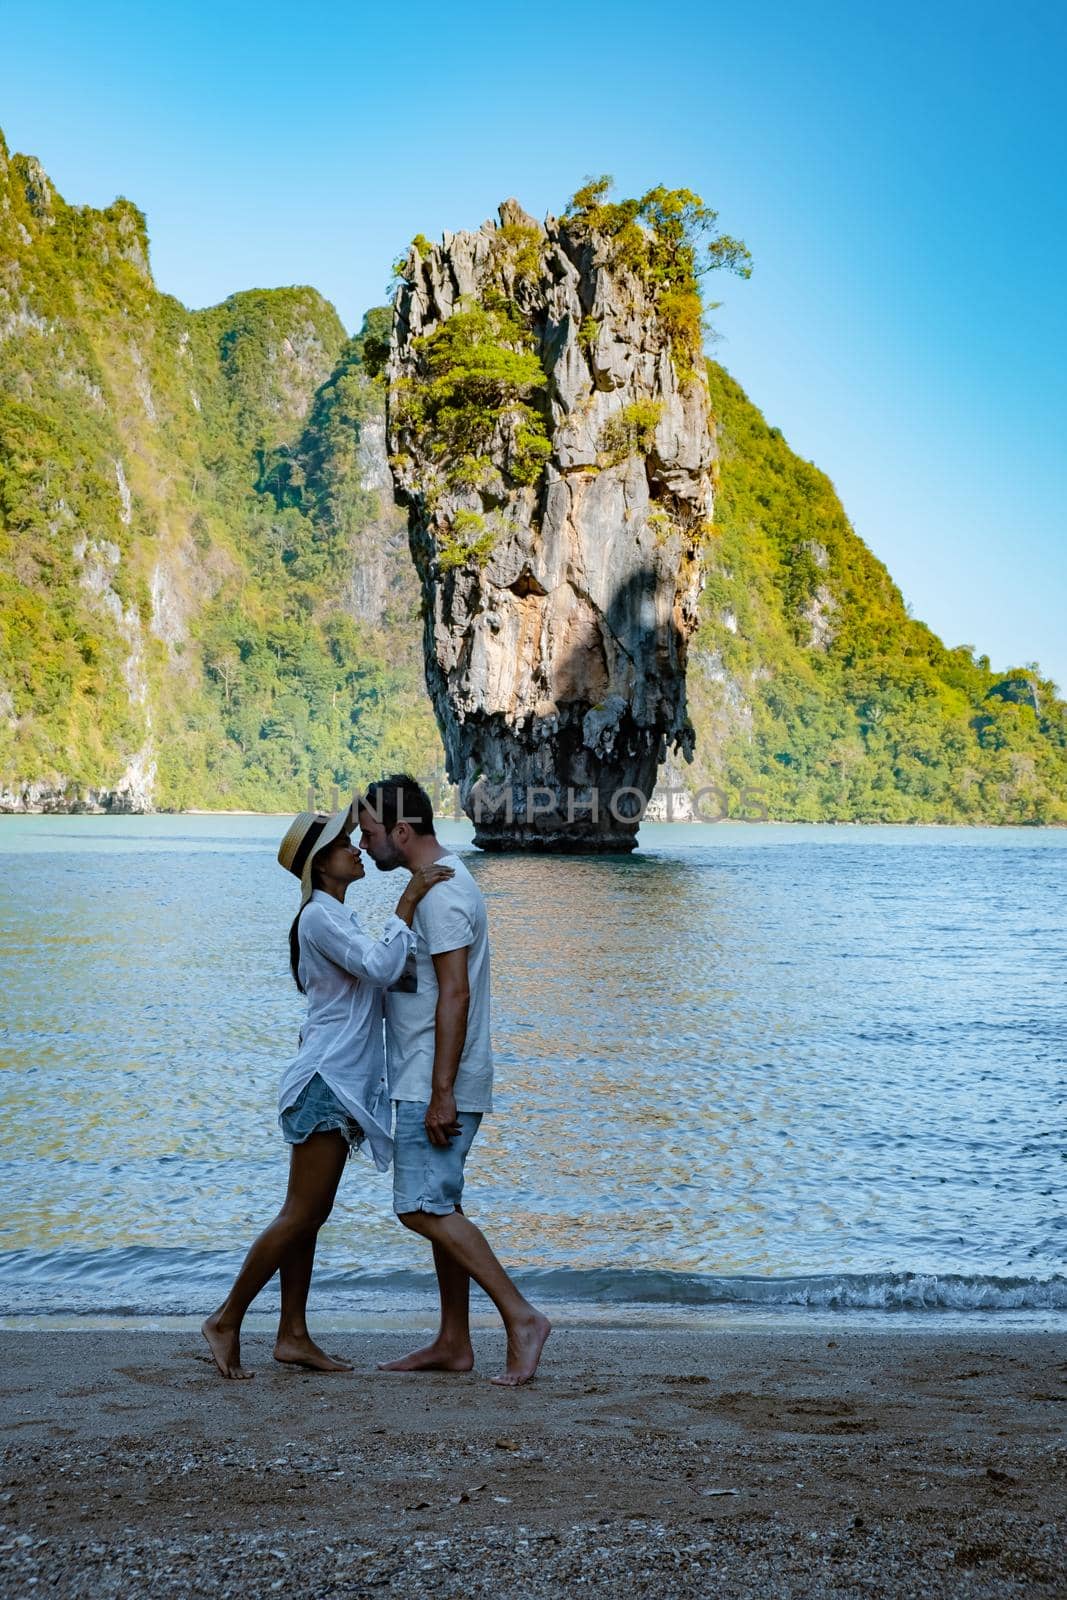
x: 812, y: 685
x: 206, y: 597
x: 173, y: 632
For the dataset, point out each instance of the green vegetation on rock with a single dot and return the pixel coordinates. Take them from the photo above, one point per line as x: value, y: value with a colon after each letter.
x: 669, y: 238
x: 631, y: 431
x: 470, y: 538
x: 477, y: 381
x: 478, y: 373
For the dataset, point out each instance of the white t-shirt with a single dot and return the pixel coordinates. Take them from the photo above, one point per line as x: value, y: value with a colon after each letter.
x: 451, y: 916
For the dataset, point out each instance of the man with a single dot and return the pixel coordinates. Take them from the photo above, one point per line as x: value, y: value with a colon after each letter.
x: 440, y: 1067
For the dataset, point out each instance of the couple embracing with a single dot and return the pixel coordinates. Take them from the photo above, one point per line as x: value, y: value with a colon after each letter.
x: 428, y: 976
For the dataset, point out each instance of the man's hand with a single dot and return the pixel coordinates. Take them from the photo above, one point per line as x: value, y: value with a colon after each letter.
x: 441, y: 1120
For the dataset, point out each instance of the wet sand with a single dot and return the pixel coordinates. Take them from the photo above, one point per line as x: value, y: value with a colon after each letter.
x: 658, y: 1463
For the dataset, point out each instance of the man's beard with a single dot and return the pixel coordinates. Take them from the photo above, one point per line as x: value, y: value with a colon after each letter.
x: 390, y: 861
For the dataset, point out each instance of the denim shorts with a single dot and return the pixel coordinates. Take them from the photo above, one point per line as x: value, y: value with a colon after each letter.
x: 317, y: 1109
x: 426, y: 1176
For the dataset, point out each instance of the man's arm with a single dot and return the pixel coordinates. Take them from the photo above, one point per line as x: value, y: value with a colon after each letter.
x: 450, y: 1033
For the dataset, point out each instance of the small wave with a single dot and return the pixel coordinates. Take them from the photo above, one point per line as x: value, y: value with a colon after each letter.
x: 844, y: 1291
x: 146, y: 1281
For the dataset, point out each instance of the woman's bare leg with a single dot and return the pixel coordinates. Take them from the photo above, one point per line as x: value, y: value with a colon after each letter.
x: 315, y: 1169
x: 294, y: 1345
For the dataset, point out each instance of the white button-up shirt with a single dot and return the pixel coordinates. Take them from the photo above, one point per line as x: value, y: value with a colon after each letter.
x: 345, y: 972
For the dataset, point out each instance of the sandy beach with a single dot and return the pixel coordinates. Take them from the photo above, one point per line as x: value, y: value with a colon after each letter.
x: 656, y: 1462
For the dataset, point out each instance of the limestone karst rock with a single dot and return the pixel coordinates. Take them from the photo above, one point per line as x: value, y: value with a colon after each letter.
x: 553, y: 445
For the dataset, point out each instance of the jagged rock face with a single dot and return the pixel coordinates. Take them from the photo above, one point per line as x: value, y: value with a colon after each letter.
x: 557, y: 664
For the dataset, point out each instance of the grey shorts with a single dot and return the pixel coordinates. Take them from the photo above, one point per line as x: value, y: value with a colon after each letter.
x: 317, y: 1109
x: 426, y: 1176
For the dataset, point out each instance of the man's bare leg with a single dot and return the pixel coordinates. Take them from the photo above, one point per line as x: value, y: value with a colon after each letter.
x: 294, y: 1345
x: 467, y: 1247
x: 315, y: 1169
x: 452, y: 1350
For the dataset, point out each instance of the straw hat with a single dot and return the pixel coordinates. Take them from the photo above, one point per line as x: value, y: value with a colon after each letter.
x: 309, y: 833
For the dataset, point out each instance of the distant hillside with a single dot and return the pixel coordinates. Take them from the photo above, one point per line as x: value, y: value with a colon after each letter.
x: 206, y: 597
x: 172, y: 633
x: 812, y: 686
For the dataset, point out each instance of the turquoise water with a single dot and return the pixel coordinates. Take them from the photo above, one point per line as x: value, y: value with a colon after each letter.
x: 750, y: 1067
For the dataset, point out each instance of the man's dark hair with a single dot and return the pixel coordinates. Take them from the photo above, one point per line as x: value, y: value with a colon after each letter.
x: 399, y: 798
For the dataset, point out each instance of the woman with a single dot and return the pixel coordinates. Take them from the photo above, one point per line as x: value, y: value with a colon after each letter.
x: 334, y: 1094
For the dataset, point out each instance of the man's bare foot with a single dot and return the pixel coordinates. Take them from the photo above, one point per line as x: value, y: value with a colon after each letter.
x: 526, y: 1340
x: 436, y: 1357
x: 225, y: 1347
x: 294, y: 1351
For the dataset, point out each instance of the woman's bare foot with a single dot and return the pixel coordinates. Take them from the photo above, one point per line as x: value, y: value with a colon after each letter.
x: 526, y: 1340
x: 302, y: 1351
x: 225, y: 1346
x: 436, y: 1357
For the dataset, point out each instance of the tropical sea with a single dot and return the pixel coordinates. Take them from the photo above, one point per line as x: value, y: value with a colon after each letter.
x: 753, y: 1073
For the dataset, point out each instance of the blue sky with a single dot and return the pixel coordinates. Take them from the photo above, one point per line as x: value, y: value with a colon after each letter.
x: 896, y: 170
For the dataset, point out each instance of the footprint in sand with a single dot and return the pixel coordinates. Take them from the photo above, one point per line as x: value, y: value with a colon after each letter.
x: 817, y: 1407
x: 154, y: 1376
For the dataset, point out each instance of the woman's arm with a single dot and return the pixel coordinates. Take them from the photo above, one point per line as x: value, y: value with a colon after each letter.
x: 419, y: 884
x: 377, y: 961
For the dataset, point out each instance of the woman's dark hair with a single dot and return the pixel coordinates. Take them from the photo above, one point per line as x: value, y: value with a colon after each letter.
x: 294, y: 931
x: 307, y: 844
x: 399, y: 798
x: 294, y: 950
